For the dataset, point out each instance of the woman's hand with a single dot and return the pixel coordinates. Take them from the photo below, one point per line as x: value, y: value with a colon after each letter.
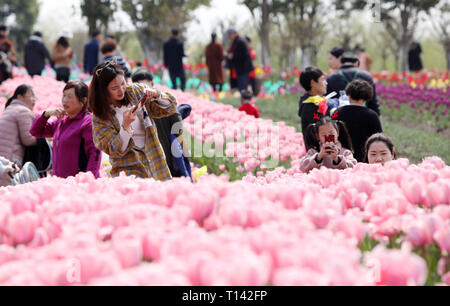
x: 128, y: 118
x: 153, y: 94
x: 57, y: 112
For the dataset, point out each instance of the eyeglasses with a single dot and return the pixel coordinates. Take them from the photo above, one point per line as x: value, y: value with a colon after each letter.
x: 110, y: 63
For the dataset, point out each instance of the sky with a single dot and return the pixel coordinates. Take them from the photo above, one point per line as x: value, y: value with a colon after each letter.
x: 59, y: 15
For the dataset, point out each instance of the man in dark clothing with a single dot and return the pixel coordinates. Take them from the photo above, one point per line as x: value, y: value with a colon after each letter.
x: 339, y: 80
x: 91, y: 52
x: 414, y: 60
x: 35, y: 54
x: 240, y: 59
x: 7, y: 55
x: 173, y: 59
x: 361, y: 122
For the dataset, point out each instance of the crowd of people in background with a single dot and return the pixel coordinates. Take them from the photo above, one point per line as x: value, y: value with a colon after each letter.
x: 140, y: 128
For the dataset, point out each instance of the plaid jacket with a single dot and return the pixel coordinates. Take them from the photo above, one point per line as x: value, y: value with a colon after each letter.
x: 149, y: 163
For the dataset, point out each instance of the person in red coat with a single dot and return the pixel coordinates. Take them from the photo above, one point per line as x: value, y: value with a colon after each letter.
x: 247, y: 106
x: 252, y: 74
x: 214, y: 58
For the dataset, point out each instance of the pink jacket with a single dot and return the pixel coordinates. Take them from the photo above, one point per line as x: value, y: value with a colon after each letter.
x: 345, y: 156
x: 15, y: 124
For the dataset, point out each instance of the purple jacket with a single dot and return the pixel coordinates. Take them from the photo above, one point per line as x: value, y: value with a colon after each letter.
x: 68, y: 135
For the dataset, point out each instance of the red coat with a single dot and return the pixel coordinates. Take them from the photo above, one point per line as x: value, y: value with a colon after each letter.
x: 250, y: 109
x: 214, y: 58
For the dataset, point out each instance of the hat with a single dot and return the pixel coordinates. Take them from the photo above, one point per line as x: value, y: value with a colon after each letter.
x: 229, y: 32
x: 66, y: 33
x: 184, y: 110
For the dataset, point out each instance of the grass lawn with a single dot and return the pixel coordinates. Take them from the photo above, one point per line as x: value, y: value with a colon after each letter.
x: 412, y: 143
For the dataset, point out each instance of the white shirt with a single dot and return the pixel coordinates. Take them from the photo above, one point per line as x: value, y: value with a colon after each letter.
x: 137, y: 127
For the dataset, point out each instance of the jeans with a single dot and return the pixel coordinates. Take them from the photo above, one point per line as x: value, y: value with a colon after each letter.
x: 242, y: 82
x: 178, y: 74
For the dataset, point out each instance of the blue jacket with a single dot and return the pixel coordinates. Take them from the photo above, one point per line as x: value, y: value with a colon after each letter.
x: 91, y: 50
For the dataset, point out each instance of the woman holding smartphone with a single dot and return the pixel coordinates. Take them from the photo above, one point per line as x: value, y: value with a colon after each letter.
x: 123, y: 125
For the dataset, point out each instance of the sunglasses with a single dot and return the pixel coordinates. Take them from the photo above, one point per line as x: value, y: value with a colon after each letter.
x: 112, y: 62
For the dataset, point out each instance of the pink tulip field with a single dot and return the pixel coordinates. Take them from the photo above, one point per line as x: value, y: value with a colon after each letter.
x: 262, y: 222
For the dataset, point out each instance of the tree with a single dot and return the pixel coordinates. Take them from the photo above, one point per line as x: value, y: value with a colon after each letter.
x: 304, y: 20
x: 154, y: 19
x: 400, y: 18
x: 25, y: 13
x: 442, y: 25
x: 263, y: 12
x: 98, y: 13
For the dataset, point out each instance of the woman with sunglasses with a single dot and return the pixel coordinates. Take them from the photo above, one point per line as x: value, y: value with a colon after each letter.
x: 123, y: 125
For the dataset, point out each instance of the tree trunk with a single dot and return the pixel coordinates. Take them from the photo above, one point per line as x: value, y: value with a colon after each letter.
x: 404, y: 56
x: 447, y: 53
x: 152, y: 49
x: 308, y: 57
x: 264, y: 34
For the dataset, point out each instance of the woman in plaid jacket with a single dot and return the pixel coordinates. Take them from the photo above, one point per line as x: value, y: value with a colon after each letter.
x: 124, y: 130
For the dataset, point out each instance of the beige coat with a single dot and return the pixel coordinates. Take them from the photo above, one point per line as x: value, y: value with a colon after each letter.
x: 15, y: 124
x: 62, y: 56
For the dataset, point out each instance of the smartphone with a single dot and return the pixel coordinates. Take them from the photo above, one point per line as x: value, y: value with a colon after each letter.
x: 140, y: 104
x: 330, y: 138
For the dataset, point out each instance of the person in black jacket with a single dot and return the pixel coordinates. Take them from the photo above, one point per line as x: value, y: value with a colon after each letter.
x: 349, y: 71
x: 240, y: 59
x: 173, y: 59
x: 314, y: 82
x: 35, y: 55
x: 361, y: 122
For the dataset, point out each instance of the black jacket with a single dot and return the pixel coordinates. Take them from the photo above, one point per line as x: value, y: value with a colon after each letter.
x: 35, y: 55
x: 242, y: 60
x: 173, y: 55
x: 336, y: 83
x: 361, y: 123
x: 306, y: 112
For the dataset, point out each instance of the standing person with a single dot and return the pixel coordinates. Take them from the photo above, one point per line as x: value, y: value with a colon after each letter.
x: 35, y: 55
x: 7, y: 55
x: 214, y: 59
x: 126, y: 133
x: 414, y: 60
x: 173, y: 59
x: 329, y: 145
x: 73, y: 147
x: 361, y: 122
x: 91, y: 52
x: 365, y: 61
x: 109, y: 50
x: 334, y: 58
x: 240, y: 59
x: 62, y: 55
x: 338, y: 80
x: 15, y: 124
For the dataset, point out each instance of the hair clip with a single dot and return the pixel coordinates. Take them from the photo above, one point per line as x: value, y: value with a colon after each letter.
x: 109, y: 63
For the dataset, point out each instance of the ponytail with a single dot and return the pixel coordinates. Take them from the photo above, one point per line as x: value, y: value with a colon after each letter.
x: 312, y: 134
x: 21, y: 90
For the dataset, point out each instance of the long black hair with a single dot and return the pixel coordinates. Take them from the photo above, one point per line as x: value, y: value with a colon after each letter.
x: 21, y: 90
x: 98, y: 89
x: 312, y: 134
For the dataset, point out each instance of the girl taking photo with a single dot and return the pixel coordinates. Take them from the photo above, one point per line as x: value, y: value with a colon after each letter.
x: 123, y: 125
x: 329, y: 145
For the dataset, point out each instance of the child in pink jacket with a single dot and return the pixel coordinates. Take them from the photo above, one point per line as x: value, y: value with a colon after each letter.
x: 329, y: 145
